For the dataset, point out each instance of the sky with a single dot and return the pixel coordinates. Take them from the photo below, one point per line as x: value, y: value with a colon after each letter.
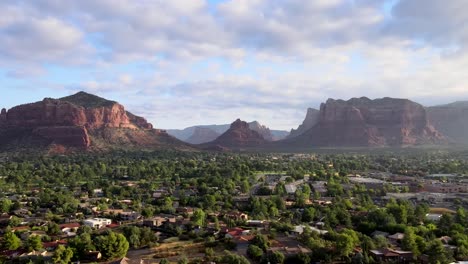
x: 180, y: 63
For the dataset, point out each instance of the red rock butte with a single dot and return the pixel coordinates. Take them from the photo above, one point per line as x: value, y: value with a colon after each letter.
x: 365, y: 122
x: 76, y: 121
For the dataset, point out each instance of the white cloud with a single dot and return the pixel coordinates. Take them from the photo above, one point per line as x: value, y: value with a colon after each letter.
x: 39, y: 39
x: 255, y: 59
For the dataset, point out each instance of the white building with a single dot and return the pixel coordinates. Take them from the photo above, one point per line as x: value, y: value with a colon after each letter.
x: 97, y: 222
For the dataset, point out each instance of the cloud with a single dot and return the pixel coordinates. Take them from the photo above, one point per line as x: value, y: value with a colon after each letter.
x: 29, y: 38
x: 183, y: 62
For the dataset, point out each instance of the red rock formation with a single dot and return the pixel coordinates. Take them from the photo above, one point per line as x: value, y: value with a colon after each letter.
x: 81, y: 120
x: 3, y: 116
x: 73, y: 136
x: 239, y: 135
x: 262, y: 130
x: 365, y: 122
x: 310, y: 120
x: 139, y: 121
x: 451, y: 120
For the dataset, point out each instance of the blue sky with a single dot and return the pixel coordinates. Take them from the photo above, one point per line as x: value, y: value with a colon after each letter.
x: 186, y: 62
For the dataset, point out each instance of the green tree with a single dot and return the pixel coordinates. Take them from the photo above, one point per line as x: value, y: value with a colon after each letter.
x: 230, y: 258
x: 437, y: 253
x: 254, y: 252
x: 198, y: 217
x: 62, y: 255
x: 33, y: 243
x: 300, y: 258
x: 209, y: 252
x: 148, y: 211
x: 308, y: 214
x: 11, y: 241
x: 260, y: 241
x: 409, y: 242
x: 344, y: 245
x: 273, y: 258
x: 5, y: 205
x: 81, y: 244
x: 112, y: 245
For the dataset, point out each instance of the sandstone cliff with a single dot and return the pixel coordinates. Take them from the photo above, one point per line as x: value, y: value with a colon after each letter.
x: 80, y: 121
x: 310, y: 120
x: 262, y: 130
x: 365, y: 122
x: 451, y: 120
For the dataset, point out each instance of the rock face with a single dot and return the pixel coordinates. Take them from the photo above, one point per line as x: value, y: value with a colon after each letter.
x: 201, y: 135
x: 262, y: 130
x: 3, y: 116
x: 81, y: 120
x: 239, y: 135
x: 365, y: 122
x: 451, y: 120
x: 310, y: 120
x: 73, y: 136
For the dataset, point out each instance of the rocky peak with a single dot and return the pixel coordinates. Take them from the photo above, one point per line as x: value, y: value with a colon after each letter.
x: 262, y: 130
x: 239, y: 124
x: 87, y: 100
x: 3, y: 116
x: 310, y: 120
x: 239, y: 135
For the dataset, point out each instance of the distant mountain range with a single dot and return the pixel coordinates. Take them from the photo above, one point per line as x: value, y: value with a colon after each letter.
x: 86, y: 122
x: 206, y: 133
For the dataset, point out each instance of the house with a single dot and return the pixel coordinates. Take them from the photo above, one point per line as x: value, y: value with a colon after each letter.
x: 299, y: 229
x: 22, y: 212
x: 236, y: 232
x: 35, y: 255
x: 69, y: 229
x: 159, y: 220
x: 10, y: 254
x: 185, y: 210
x: 52, y: 246
x: 396, y: 238
x: 129, y: 215
x: 256, y: 223
x: 5, y: 219
x: 290, y: 188
x: 391, y: 255
x: 320, y: 187
x: 97, y: 222
x: 26, y: 235
x: 98, y: 193
x: 236, y: 215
